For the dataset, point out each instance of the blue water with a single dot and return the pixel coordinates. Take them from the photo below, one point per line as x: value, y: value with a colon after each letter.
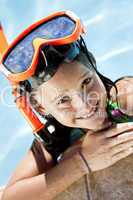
x: 110, y: 37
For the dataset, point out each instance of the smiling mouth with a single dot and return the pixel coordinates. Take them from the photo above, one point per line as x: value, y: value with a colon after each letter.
x: 90, y: 114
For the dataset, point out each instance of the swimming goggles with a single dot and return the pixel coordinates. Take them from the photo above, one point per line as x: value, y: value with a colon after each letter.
x: 20, y: 60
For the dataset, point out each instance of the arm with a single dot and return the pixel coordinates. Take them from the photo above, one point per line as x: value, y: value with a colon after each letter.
x: 1, y: 192
x: 29, y: 166
x: 100, y: 150
x: 44, y: 186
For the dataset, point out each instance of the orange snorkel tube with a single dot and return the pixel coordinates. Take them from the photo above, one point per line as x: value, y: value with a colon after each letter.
x: 3, y: 41
x: 26, y: 110
x: 21, y: 101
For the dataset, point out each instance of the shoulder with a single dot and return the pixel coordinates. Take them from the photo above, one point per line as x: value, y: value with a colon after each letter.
x: 125, y: 93
x: 36, y: 161
x: 44, y: 160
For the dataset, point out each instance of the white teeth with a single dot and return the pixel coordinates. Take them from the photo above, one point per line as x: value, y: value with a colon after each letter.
x: 90, y: 114
x: 86, y: 116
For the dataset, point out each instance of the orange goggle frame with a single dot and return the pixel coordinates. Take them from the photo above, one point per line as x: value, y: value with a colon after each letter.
x: 20, y: 60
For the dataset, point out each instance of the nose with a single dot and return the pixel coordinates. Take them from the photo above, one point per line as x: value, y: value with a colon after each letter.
x: 80, y: 104
x: 84, y: 104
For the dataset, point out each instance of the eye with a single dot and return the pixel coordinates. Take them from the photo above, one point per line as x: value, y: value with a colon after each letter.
x: 64, y: 99
x: 86, y: 81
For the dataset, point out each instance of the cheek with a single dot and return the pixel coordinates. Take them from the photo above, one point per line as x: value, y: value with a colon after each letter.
x: 64, y: 117
x: 100, y: 91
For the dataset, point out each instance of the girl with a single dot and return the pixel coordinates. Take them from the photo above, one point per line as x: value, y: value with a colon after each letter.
x: 81, y: 107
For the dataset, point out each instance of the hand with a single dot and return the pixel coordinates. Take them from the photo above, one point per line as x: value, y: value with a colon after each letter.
x: 104, y: 148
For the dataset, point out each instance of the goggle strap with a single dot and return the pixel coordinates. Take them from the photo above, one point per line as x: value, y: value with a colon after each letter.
x: 72, y: 53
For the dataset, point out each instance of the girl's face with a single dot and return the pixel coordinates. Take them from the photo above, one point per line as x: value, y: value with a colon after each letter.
x: 75, y: 96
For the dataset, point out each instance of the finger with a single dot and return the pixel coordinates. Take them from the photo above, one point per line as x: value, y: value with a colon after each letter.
x: 121, y: 147
x: 118, y: 129
x: 122, y: 154
x: 124, y: 137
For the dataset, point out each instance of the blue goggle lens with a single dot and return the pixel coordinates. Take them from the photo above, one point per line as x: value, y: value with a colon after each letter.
x: 20, y: 57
